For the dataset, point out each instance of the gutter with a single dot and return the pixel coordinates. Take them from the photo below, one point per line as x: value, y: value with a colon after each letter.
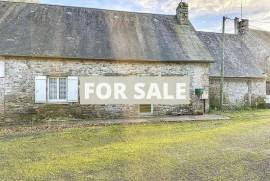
x: 106, y: 59
x: 238, y: 77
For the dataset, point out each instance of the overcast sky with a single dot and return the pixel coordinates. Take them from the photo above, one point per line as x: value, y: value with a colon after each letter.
x: 205, y: 15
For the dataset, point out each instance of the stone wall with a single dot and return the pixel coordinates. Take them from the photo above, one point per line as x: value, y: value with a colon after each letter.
x: 1, y: 99
x: 238, y: 92
x: 21, y: 72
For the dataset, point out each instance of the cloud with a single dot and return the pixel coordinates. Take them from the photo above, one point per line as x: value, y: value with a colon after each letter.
x: 205, y: 14
x: 258, y: 13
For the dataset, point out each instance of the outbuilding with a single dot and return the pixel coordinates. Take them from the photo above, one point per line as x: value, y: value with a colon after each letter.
x: 259, y: 42
x: 246, y: 64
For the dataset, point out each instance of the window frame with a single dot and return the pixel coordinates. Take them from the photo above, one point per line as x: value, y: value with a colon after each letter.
x: 58, y: 92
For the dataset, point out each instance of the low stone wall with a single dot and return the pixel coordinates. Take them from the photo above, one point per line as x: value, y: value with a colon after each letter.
x: 238, y: 92
x: 20, y: 81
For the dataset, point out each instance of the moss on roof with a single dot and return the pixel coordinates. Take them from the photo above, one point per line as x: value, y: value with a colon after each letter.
x: 59, y: 31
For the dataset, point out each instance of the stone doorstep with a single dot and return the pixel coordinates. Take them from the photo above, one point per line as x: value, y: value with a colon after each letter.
x: 207, y: 117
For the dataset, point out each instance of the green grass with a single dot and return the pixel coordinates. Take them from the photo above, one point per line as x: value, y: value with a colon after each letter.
x: 238, y: 149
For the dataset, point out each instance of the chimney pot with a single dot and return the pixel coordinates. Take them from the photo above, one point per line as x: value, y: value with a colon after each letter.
x: 182, y: 13
x: 243, y: 26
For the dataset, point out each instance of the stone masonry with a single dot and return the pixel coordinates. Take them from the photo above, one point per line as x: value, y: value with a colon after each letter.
x: 20, y: 82
x: 182, y: 13
x: 238, y: 92
x: 1, y: 98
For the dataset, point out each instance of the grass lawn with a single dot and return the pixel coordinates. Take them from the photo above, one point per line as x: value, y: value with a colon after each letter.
x: 238, y: 149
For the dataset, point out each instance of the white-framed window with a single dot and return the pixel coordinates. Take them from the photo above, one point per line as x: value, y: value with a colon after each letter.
x: 146, y: 109
x: 57, y: 89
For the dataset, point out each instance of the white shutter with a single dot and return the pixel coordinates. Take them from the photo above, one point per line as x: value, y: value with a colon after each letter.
x: 73, y: 89
x: 2, y: 69
x: 40, y: 89
x: 268, y: 99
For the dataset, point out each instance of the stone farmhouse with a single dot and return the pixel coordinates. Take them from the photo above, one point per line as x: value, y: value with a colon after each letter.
x: 44, y: 49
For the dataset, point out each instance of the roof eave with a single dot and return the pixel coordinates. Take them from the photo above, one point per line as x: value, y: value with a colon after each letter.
x: 239, y: 77
x: 107, y: 59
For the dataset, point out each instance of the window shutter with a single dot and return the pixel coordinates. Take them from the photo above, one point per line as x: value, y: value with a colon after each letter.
x: 2, y: 69
x: 268, y: 88
x: 40, y: 89
x: 73, y: 89
x: 268, y: 99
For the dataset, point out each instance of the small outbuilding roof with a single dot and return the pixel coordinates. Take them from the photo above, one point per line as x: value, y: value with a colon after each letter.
x: 261, y: 36
x: 84, y: 33
x: 259, y: 43
x: 240, y: 60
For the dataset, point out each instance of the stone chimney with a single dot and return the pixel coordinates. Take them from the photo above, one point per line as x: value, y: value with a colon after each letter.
x: 182, y: 13
x: 241, y: 27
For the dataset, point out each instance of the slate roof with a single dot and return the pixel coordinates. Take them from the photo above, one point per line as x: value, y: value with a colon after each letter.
x: 74, y: 32
x: 259, y: 43
x: 261, y: 36
x: 240, y: 59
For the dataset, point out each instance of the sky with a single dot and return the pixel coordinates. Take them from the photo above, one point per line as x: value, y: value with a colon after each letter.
x: 205, y: 15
